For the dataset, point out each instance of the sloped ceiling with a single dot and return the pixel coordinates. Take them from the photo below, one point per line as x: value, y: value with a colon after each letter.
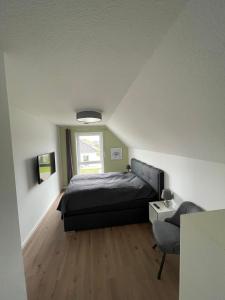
x: 156, y: 68
x: 177, y: 103
x: 64, y: 56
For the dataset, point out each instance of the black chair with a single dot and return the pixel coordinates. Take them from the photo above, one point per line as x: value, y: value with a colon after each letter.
x: 167, y: 232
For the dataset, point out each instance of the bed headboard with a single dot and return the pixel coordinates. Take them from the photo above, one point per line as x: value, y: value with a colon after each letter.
x: 150, y: 174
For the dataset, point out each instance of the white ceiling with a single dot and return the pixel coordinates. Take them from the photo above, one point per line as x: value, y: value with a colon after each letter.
x: 64, y: 56
x: 177, y: 103
x: 155, y: 68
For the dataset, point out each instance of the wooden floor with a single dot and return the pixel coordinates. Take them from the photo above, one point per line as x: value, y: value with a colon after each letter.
x: 102, y: 264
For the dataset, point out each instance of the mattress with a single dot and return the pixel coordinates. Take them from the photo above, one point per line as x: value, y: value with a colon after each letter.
x: 107, y: 191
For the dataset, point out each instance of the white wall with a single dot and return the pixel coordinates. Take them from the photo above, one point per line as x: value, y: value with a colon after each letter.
x: 12, y: 281
x: 32, y: 136
x: 199, y: 181
x: 202, y: 260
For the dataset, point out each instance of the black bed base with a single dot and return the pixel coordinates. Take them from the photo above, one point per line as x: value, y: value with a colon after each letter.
x: 126, y: 215
x: 106, y: 219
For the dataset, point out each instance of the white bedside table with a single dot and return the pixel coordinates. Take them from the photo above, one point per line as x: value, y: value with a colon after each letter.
x: 162, y: 212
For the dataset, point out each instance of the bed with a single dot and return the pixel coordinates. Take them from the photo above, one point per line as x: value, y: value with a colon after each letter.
x: 108, y: 199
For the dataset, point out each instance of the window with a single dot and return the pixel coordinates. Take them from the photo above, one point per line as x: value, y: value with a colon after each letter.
x: 89, y: 153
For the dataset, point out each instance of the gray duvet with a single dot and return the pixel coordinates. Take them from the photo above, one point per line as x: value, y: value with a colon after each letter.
x: 95, y: 190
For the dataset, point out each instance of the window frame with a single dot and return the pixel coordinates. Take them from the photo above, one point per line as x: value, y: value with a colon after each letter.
x: 101, y: 161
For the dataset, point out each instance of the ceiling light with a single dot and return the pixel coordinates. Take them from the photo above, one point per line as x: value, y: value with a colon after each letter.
x: 87, y: 117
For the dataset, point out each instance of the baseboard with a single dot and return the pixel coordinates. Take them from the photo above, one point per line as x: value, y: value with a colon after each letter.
x: 25, y: 242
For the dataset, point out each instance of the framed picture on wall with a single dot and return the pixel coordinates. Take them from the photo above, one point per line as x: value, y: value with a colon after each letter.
x: 116, y: 154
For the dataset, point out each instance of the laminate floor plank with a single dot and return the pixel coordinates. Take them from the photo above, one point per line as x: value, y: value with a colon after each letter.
x: 115, y: 263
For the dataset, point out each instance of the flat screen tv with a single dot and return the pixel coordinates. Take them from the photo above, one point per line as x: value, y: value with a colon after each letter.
x: 45, y: 166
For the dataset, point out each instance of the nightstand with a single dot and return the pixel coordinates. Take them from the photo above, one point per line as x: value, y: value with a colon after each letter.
x: 162, y: 212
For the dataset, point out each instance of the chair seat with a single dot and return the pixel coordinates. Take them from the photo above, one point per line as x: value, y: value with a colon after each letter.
x: 167, y: 237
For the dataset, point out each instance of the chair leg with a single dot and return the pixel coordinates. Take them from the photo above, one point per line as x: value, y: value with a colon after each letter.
x: 155, y: 245
x: 161, y: 266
